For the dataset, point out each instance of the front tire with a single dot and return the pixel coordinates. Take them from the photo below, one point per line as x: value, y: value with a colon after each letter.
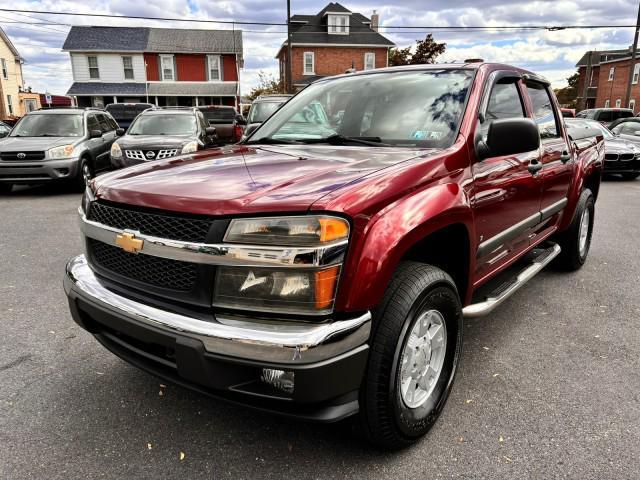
x: 415, y: 351
x: 575, y: 242
x: 84, y: 175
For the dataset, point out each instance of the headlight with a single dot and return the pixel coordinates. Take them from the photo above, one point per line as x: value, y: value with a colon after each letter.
x: 276, y: 290
x: 63, y: 151
x: 287, y: 231
x: 116, y: 151
x: 190, y: 147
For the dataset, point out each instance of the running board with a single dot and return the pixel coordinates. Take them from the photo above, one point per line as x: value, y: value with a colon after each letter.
x: 506, y: 289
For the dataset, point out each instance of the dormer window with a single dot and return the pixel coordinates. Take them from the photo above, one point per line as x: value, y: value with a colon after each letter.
x: 338, y: 24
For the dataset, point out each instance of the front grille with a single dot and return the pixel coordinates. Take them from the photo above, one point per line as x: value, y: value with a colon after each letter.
x: 157, y: 271
x: 21, y: 156
x: 625, y: 157
x: 150, y: 154
x: 157, y: 225
x: 612, y: 157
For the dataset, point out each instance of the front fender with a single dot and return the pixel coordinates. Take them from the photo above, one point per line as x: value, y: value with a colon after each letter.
x: 385, y: 239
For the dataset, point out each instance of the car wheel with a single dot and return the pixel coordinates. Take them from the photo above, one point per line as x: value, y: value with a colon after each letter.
x: 5, y: 188
x: 575, y: 242
x: 414, y: 354
x: 630, y: 176
x: 84, y: 175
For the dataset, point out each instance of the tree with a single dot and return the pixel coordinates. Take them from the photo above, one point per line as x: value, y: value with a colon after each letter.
x: 426, y: 51
x: 568, y: 96
x: 267, y: 84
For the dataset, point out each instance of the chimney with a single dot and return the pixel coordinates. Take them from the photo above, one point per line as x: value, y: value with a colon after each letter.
x: 375, y: 20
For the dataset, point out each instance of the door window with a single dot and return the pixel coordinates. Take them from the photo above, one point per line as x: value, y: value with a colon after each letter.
x: 104, y: 124
x: 504, y: 102
x: 543, y: 111
x: 92, y: 123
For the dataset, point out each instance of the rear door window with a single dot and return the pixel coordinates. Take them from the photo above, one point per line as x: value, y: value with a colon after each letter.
x: 543, y: 111
x: 605, y: 116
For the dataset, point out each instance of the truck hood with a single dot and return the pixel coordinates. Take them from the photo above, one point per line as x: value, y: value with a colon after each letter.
x: 245, y: 180
x: 30, y: 144
x: 154, y: 142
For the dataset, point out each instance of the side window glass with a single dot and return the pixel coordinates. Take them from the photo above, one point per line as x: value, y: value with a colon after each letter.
x: 112, y: 123
x: 504, y: 102
x: 104, y: 124
x: 543, y: 111
x: 92, y: 123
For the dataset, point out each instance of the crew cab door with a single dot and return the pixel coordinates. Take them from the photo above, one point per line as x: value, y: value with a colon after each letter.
x: 506, y: 191
x: 557, y: 167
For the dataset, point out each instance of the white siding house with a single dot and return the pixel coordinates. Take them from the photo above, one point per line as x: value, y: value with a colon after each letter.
x: 111, y: 67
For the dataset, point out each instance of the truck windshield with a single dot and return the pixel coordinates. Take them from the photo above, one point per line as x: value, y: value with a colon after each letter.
x: 406, y: 108
x: 260, y: 111
x: 155, y: 124
x: 51, y: 125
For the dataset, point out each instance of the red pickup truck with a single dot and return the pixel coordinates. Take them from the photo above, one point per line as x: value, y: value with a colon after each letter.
x: 323, y: 267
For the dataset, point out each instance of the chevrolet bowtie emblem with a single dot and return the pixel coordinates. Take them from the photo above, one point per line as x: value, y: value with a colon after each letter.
x: 129, y: 243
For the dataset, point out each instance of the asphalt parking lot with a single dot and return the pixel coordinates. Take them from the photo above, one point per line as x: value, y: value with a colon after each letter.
x: 549, y: 385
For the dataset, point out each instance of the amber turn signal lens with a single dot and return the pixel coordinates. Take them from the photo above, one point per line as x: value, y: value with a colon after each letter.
x: 333, y: 229
x: 326, y: 281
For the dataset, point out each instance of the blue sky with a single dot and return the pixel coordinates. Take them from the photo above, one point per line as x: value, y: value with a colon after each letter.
x: 552, y: 54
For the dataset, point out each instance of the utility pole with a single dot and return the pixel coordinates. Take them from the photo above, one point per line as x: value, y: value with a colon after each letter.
x: 627, y: 97
x: 289, y: 75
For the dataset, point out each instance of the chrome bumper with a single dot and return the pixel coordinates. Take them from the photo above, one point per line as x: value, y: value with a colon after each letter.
x: 280, y: 341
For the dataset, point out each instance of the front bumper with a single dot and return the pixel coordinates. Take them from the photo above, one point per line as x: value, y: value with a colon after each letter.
x: 41, y: 171
x: 622, y: 166
x: 224, y: 357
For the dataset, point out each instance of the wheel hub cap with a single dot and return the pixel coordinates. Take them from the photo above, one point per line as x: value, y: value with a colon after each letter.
x: 422, y: 358
x: 584, y: 231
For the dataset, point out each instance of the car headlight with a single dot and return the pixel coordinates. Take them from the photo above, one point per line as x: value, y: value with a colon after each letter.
x: 306, y: 290
x: 63, y: 151
x: 116, y: 151
x: 190, y: 147
x: 287, y: 231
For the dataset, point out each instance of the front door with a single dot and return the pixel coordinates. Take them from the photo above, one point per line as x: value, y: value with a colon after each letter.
x: 557, y: 166
x: 506, y: 195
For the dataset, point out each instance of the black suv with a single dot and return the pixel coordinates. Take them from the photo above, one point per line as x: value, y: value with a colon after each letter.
x: 162, y: 133
x: 56, y: 144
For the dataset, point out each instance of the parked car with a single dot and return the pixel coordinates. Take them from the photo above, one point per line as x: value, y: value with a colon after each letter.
x: 605, y: 115
x: 57, y: 144
x: 568, y: 112
x: 621, y: 156
x: 125, y: 113
x: 615, y: 123
x: 162, y: 133
x: 262, y: 108
x: 229, y: 124
x: 4, y: 129
x: 327, y: 275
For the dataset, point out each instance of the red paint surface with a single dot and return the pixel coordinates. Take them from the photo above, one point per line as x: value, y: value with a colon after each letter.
x: 191, y: 68
x: 153, y: 73
x: 229, y: 70
x: 394, y: 197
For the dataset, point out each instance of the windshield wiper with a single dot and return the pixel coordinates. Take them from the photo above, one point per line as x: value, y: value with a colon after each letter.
x: 273, y: 141
x: 338, y: 139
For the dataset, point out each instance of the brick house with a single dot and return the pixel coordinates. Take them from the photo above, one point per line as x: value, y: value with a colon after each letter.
x: 168, y: 67
x: 331, y: 42
x: 606, y: 74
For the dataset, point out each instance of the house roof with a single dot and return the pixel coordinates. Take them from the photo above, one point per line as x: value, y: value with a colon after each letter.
x: 13, y: 49
x: 312, y: 29
x: 99, y: 88
x: 154, y: 88
x: 159, y: 40
x: 598, y: 57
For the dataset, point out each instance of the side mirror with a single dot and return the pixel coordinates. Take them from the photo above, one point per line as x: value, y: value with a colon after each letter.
x: 240, y: 120
x: 120, y: 132
x: 509, y: 136
x: 95, y: 134
x: 211, y: 131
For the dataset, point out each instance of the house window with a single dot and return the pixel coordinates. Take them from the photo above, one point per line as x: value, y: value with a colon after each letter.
x: 607, y: 103
x: 618, y: 103
x: 636, y: 73
x: 612, y: 72
x: 309, y: 63
x: 10, y: 104
x: 632, y: 105
x: 369, y: 61
x: 94, y: 71
x: 214, y: 67
x: 339, y: 24
x: 166, y: 65
x: 30, y: 104
x: 127, y: 64
x: 5, y: 72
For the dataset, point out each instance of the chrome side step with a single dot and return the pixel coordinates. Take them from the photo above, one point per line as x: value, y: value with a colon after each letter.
x: 504, y: 291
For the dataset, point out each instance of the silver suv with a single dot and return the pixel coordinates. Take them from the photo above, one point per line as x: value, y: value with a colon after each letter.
x: 57, y: 144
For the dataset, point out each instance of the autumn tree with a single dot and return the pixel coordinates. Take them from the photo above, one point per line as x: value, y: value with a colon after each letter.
x: 267, y: 85
x: 425, y: 51
x: 568, y: 96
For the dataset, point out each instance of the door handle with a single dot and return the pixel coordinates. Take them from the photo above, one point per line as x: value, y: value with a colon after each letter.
x: 534, y: 167
x: 565, y: 156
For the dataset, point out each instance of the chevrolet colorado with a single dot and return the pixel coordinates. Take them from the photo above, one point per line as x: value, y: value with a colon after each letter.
x: 323, y: 267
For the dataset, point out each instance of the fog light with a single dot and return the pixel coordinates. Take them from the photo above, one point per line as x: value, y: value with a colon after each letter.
x: 279, y: 379
x: 62, y: 171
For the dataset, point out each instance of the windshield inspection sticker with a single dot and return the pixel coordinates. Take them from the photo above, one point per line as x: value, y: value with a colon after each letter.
x: 419, y: 135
